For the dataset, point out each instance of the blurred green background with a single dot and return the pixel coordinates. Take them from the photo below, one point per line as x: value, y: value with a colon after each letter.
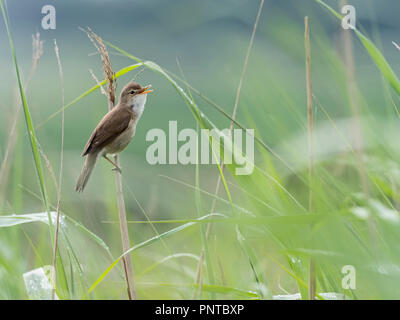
x: 210, y: 40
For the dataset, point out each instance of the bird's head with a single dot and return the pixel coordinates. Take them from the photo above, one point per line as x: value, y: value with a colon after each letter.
x: 134, y: 95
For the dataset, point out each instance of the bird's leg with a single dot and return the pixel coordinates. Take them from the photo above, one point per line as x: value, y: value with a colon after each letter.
x: 113, y: 163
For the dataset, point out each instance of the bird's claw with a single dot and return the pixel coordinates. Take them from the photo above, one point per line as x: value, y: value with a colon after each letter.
x: 117, y: 169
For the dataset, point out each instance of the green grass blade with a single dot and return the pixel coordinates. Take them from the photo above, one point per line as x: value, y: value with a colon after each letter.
x: 374, y: 53
x: 209, y: 288
x: 255, y: 265
x: 13, y: 220
x: 10, y: 219
x: 28, y: 119
x: 84, y: 94
x: 204, y: 240
x: 166, y: 259
x: 141, y: 245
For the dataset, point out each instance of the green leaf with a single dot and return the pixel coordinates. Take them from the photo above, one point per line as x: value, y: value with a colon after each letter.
x: 84, y: 94
x: 206, y: 287
x: 28, y: 119
x: 141, y: 245
x: 374, y: 53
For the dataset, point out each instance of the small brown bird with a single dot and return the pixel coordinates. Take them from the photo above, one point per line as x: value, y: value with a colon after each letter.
x: 115, y: 130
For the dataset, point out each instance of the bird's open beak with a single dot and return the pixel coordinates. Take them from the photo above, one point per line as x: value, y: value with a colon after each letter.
x: 146, y: 89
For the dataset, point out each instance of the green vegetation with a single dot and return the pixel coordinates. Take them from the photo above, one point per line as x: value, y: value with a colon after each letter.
x: 262, y: 234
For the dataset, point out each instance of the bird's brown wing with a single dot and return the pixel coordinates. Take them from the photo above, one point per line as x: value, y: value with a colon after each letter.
x: 113, y: 123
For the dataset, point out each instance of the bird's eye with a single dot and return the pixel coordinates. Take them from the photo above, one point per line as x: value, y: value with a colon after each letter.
x: 132, y: 92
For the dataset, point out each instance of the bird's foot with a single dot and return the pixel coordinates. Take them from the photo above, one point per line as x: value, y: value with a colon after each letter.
x: 118, y: 169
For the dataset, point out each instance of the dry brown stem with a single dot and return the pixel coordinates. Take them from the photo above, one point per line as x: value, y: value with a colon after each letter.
x: 112, y: 85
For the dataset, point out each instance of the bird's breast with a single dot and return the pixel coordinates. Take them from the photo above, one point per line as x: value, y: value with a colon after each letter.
x: 122, y: 141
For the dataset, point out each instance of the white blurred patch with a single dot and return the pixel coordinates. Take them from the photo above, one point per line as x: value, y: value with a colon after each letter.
x: 380, y: 210
x: 338, y: 138
x: 37, y: 283
x: 360, y: 212
x: 384, y: 212
x: 324, y: 295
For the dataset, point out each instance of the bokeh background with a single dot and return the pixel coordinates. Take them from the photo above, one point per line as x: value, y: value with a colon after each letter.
x: 209, y: 39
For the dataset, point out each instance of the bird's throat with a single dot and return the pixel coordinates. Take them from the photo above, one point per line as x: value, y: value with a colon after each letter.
x: 138, y: 105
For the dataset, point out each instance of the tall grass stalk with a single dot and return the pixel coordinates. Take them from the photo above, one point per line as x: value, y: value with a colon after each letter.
x: 111, y: 79
x: 205, y: 253
x: 29, y: 124
x: 145, y: 243
x: 353, y: 99
x: 37, y: 51
x: 354, y: 104
x: 311, y: 284
x: 373, y: 51
x: 56, y: 50
x: 391, y: 77
x: 235, y: 108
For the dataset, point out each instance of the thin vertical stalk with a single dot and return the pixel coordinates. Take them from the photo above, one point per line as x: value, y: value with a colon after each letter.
x: 311, y: 284
x: 352, y: 92
x: 110, y: 76
x: 354, y: 105
x: 29, y: 124
x: 37, y: 51
x: 60, y: 174
x: 213, y: 205
x: 126, y: 260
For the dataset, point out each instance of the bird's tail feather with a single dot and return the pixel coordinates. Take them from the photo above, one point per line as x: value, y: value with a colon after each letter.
x: 86, y: 171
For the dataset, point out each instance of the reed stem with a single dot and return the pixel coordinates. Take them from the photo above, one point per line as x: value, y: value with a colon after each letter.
x: 311, y: 284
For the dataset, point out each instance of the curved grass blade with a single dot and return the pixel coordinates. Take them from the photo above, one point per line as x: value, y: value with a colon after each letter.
x: 84, y: 94
x: 293, y: 219
x: 13, y: 220
x: 28, y: 120
x: 300, y: 281
x: 374, y: 53
x: 77, y: 224
x: 254, y: 264
x: 207, y: 193
x: 197, y: 113
x: 168, y: 258
x: 209, y: 288
x: 141, y: 245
